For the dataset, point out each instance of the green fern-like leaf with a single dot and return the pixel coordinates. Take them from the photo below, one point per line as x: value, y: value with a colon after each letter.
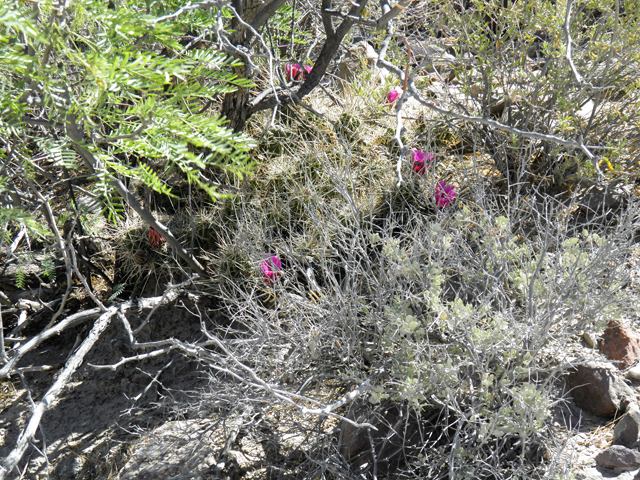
x: 58, y: 152
x: 20, y: 278
x: 121, y: 79
x: 48, y: 267
x: 19, y: 216
x: 117, y: 290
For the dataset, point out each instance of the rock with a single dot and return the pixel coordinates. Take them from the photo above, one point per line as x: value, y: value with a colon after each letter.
x: 176, y: 448
x: 598, y: 389
x: 535, y: 50
x: 596, y: 473
x: 69, y: 467
x: 619, y: 457
x: 627, y: 431
x: 597, y: 200
x: 18, y: 276
x: 359, y: 56
x: 437, y: 56
x: 497, y: 101
x: 620, y: 344
x: 401, y: 434
x: 634, y: 373
x: 586, y: 111
x: 590, y: 338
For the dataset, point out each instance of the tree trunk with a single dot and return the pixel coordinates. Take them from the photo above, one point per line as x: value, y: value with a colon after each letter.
x: 234, y: 105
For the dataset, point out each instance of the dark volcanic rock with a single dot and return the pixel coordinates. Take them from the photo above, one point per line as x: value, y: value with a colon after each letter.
x: 627, y: 431
x: 400, y: 435
x: 619, y: 457
x: 599, y: 389
x: 176, y: 448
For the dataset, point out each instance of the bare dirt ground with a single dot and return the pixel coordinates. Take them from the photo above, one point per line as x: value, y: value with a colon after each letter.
x: 86, y: 432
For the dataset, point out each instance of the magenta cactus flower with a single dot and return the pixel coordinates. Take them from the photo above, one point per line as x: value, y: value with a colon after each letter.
x: 393, y: 95
x: 293, y: 70
x: 444, y: 194
x: 271, y: 268
x: 155, y: 239
x: 297, y: 73
x: 421, y: 161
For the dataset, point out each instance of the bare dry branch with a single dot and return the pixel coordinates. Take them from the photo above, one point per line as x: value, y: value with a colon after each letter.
x: 569, y: 54
x: 43, y: 405
x: 70, y: 321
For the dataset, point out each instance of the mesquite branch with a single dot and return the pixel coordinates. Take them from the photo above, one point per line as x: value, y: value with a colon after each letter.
x: 330, y: 47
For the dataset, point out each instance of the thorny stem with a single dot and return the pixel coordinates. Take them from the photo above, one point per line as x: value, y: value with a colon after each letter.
x: 3, y: 355
x: 63, y: 251
x: 392, y: 13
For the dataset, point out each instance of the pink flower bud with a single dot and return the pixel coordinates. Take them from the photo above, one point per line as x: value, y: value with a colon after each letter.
x: 393, y: 95
x: 271, y: 268
x: 155, y: 239
x: 421, y: 161
x: 297, y: 73
x: 444, y: 194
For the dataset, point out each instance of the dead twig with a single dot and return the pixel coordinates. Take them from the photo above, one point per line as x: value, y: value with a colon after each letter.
x: 71, y: 321
x: 11, y: 461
